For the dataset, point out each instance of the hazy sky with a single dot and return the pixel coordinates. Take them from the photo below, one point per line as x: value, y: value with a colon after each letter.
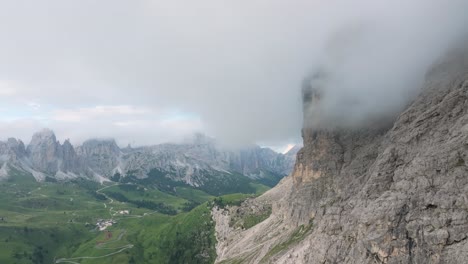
x: 151, y: 71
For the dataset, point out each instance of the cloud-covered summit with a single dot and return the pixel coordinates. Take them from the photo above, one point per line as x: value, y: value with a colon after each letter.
x: 147, y: 71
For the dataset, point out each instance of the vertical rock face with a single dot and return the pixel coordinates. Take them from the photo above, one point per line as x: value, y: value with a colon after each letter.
x: 330, y: 167
x: 252, y: 161
x: 44, y: 152
x: 384, y: 193
x: 102, y: 156
x: 16, y: 148
x: 70, y: 160
x: 11, y: 151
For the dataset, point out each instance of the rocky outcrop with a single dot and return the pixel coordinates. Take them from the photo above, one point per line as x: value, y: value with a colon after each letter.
x: 70, y: 160
x: 12, y: 150
x: 44, y: 152
x: 101, y: 156
x: 383, y: 193
x: 254, y: 160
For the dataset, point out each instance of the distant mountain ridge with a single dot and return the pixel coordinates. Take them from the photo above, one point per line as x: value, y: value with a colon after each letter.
x: 46, y: 158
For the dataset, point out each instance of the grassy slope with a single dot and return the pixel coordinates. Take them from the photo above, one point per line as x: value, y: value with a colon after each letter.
x: 193, y: 194
x: 52, y: 220
x: 185, y: 238
x: 36, y: 218
x: 214, y: 183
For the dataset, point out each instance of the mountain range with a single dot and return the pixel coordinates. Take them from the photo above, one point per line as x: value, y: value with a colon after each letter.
x: 192, y: 162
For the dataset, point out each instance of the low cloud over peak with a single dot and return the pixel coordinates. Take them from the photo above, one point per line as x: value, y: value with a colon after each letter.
x: 146, y: 71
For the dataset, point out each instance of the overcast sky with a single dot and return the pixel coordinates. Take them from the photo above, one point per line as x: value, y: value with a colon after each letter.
x: 152, y: 71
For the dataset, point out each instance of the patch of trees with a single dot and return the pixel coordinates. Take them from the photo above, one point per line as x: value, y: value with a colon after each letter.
x: 193, y: 247
x: 188, y: 206
x: 131, y: 188
x: 98, y: 196
x: 160, y: 207
x: 222, y: 203
x: 116, y: 177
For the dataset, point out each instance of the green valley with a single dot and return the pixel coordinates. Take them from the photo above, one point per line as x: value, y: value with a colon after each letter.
x: 81, y: 221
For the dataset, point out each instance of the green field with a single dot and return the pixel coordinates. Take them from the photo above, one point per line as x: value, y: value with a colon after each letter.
x: 55, y: 222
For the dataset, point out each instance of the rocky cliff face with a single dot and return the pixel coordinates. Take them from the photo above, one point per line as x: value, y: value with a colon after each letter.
x: 255, y: 160
x: 44, y: 152
x: 71, y: 162
x: 12, y: 150
x: 101, y: 156
x: 385, y: 193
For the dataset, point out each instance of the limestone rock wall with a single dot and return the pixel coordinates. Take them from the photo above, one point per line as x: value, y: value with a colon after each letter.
x: 394, y: 193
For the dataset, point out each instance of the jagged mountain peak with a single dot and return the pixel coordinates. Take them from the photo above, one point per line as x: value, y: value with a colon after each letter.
x: 67, y: 143
x: 44, y: 134
x: 14, y: 143
x: 11, y: 150
x: 44, y: 152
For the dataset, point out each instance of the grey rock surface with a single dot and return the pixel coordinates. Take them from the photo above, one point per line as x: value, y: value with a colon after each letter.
x: 387, y: 193
x: 44, y: 152
x: 12, y: 150
x: 102, y: 157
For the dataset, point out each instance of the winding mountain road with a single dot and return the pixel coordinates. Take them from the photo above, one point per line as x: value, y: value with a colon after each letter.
x: 118, y: 249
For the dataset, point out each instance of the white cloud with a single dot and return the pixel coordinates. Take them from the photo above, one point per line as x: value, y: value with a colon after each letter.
x: 128, y: 124
x: 34, y: 105
x: 7, y: 88
x: 19, y: 129
x: 98, y: 112
x: 237, y: 65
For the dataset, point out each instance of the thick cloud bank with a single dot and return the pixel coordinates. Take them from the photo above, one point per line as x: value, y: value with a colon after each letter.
x: 375, y: 63
x: 148, y: 71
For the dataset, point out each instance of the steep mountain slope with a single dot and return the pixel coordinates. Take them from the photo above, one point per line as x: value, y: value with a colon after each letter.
x: 43, y: 156
x: 101, y: 156
x: 383, y: 193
